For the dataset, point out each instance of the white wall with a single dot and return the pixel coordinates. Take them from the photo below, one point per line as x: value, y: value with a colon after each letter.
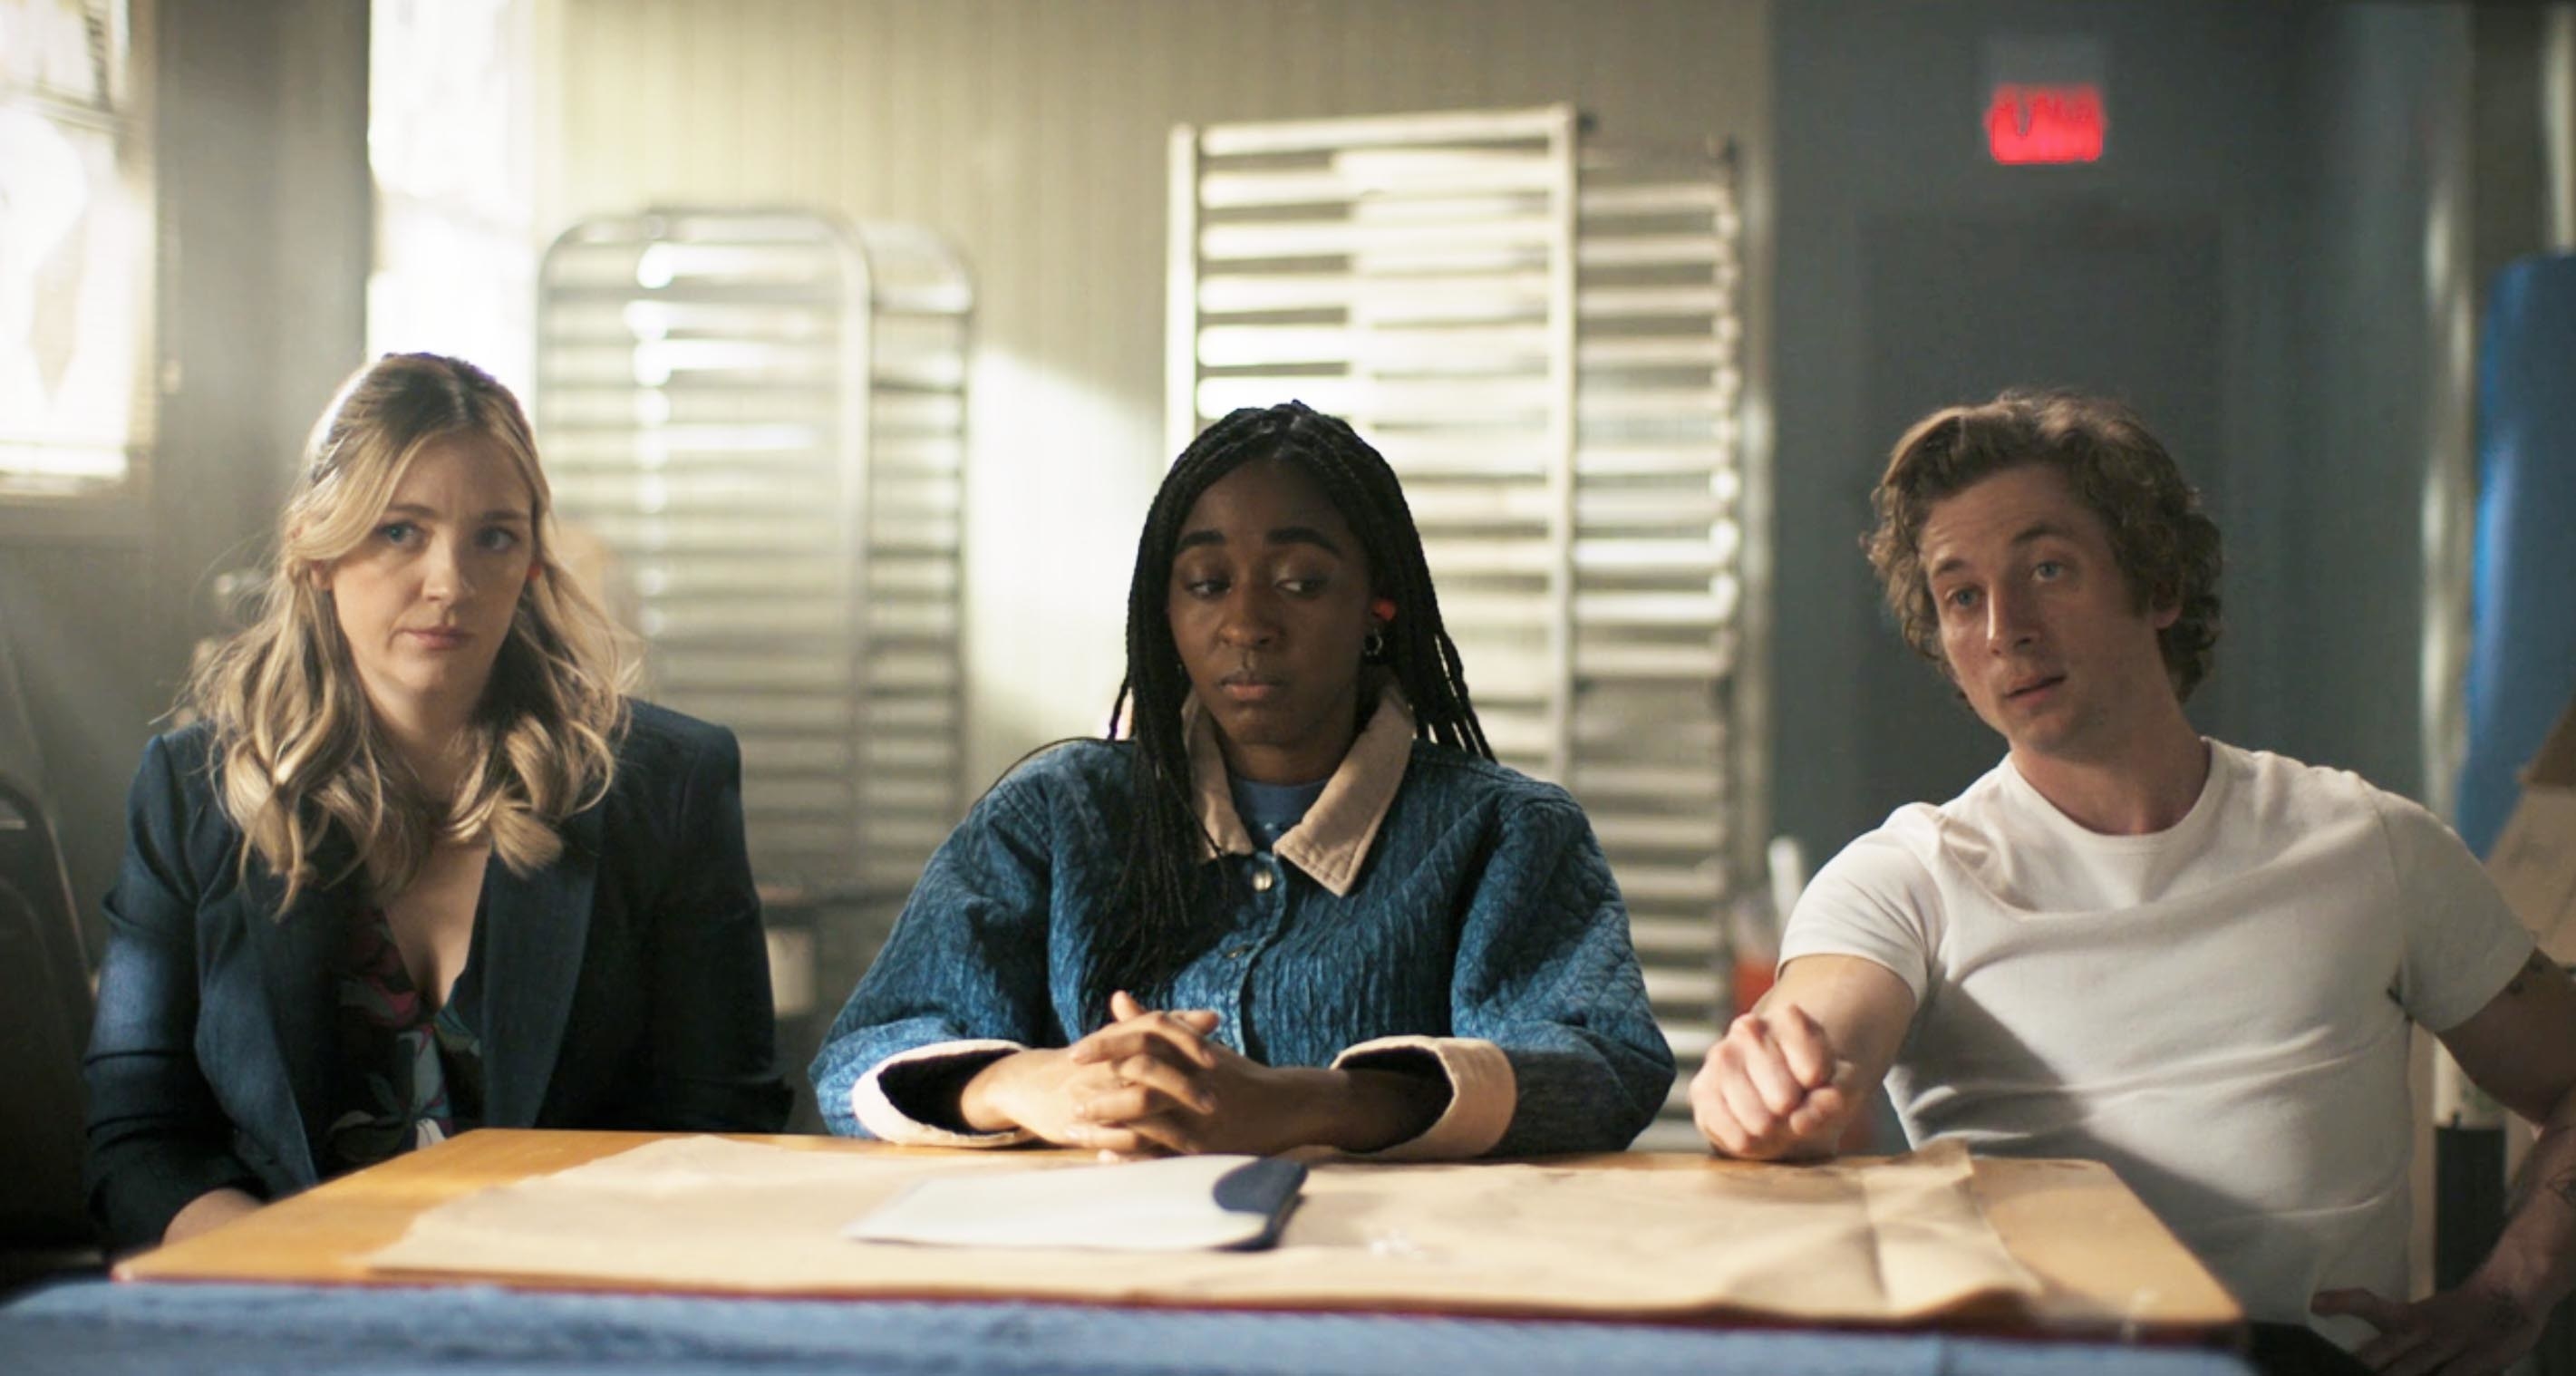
x: 1034, y: 133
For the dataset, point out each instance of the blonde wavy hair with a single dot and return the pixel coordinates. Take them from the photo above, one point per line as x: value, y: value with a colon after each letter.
x: 297, y: 751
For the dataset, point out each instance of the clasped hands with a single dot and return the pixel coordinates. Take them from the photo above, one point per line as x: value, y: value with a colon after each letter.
x: 1155, y: 1083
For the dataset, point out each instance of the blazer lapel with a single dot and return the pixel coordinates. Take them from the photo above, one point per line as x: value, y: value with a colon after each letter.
x: 297, y: 952
x: 535, y: 933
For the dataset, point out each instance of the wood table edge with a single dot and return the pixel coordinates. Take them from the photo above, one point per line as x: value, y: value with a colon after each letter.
x: 323, y: 1235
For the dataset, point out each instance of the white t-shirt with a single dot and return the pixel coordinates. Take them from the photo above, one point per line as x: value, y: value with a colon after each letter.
x: 2218, y: 1011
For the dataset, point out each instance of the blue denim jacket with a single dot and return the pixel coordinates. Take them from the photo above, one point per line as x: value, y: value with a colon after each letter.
x: 1433, y: 911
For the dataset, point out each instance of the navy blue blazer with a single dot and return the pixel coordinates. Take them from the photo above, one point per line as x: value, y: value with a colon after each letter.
x: 626, y: 985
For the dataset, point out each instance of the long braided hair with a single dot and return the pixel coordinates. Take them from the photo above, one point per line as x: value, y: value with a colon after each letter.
x: 1162, y: 880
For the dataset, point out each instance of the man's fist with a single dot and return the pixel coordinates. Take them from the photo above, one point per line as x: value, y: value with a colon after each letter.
x: 1773, y: 1087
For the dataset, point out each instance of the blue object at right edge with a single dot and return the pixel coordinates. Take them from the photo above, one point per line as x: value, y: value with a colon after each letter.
x: 2522, y: 655
x: 1267, y: 1187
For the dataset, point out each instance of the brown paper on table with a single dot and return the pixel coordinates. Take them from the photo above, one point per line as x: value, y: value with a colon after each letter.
x: 1846, y: 1243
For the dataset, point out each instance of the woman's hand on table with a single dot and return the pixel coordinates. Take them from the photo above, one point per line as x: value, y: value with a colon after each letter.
x: 1144, y: 1066
x: 1237, y: 1104
x: 207, y: 1212
x: 1153, y: 1083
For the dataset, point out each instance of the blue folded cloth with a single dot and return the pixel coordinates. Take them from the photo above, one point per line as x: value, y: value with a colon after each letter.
x: 94, y: 1328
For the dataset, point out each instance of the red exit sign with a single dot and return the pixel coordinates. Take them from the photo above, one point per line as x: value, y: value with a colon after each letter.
x: 2046, y: 124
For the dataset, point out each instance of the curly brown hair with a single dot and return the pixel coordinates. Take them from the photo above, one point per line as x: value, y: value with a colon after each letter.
x: 2166, y: 547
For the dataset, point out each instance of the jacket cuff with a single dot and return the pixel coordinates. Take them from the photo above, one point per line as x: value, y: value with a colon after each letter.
x: 1482, y: 1094
x: 134, y: 1205
x: 878, y: 1100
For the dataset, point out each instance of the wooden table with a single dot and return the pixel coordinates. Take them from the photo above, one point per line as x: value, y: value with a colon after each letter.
x: 2108, y: 1268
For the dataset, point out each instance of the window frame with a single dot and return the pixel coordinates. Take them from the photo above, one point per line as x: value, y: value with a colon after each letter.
x: 115, y: 509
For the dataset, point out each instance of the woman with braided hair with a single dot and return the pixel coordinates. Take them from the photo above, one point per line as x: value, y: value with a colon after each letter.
x: 1298, y: 903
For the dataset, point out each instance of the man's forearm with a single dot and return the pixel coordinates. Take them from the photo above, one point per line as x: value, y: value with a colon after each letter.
x: 2535, y: 1258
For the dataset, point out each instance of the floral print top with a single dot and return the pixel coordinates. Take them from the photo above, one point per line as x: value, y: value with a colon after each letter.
x: 408, y: 1077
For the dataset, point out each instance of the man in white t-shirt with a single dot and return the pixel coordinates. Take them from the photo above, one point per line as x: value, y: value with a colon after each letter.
x: 2127, y: 943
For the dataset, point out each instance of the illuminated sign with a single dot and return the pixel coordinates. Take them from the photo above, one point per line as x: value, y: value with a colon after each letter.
x: 2045, y: 124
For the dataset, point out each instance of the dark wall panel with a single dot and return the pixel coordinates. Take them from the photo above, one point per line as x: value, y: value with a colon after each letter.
x: 2248, y: 264
x: 263, y: 203
x: 1964, y: 306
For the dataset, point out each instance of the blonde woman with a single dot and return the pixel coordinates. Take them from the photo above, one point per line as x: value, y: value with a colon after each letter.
x: 419, y: 867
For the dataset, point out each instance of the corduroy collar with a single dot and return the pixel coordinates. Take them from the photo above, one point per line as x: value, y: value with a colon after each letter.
x: 1332, y: 841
